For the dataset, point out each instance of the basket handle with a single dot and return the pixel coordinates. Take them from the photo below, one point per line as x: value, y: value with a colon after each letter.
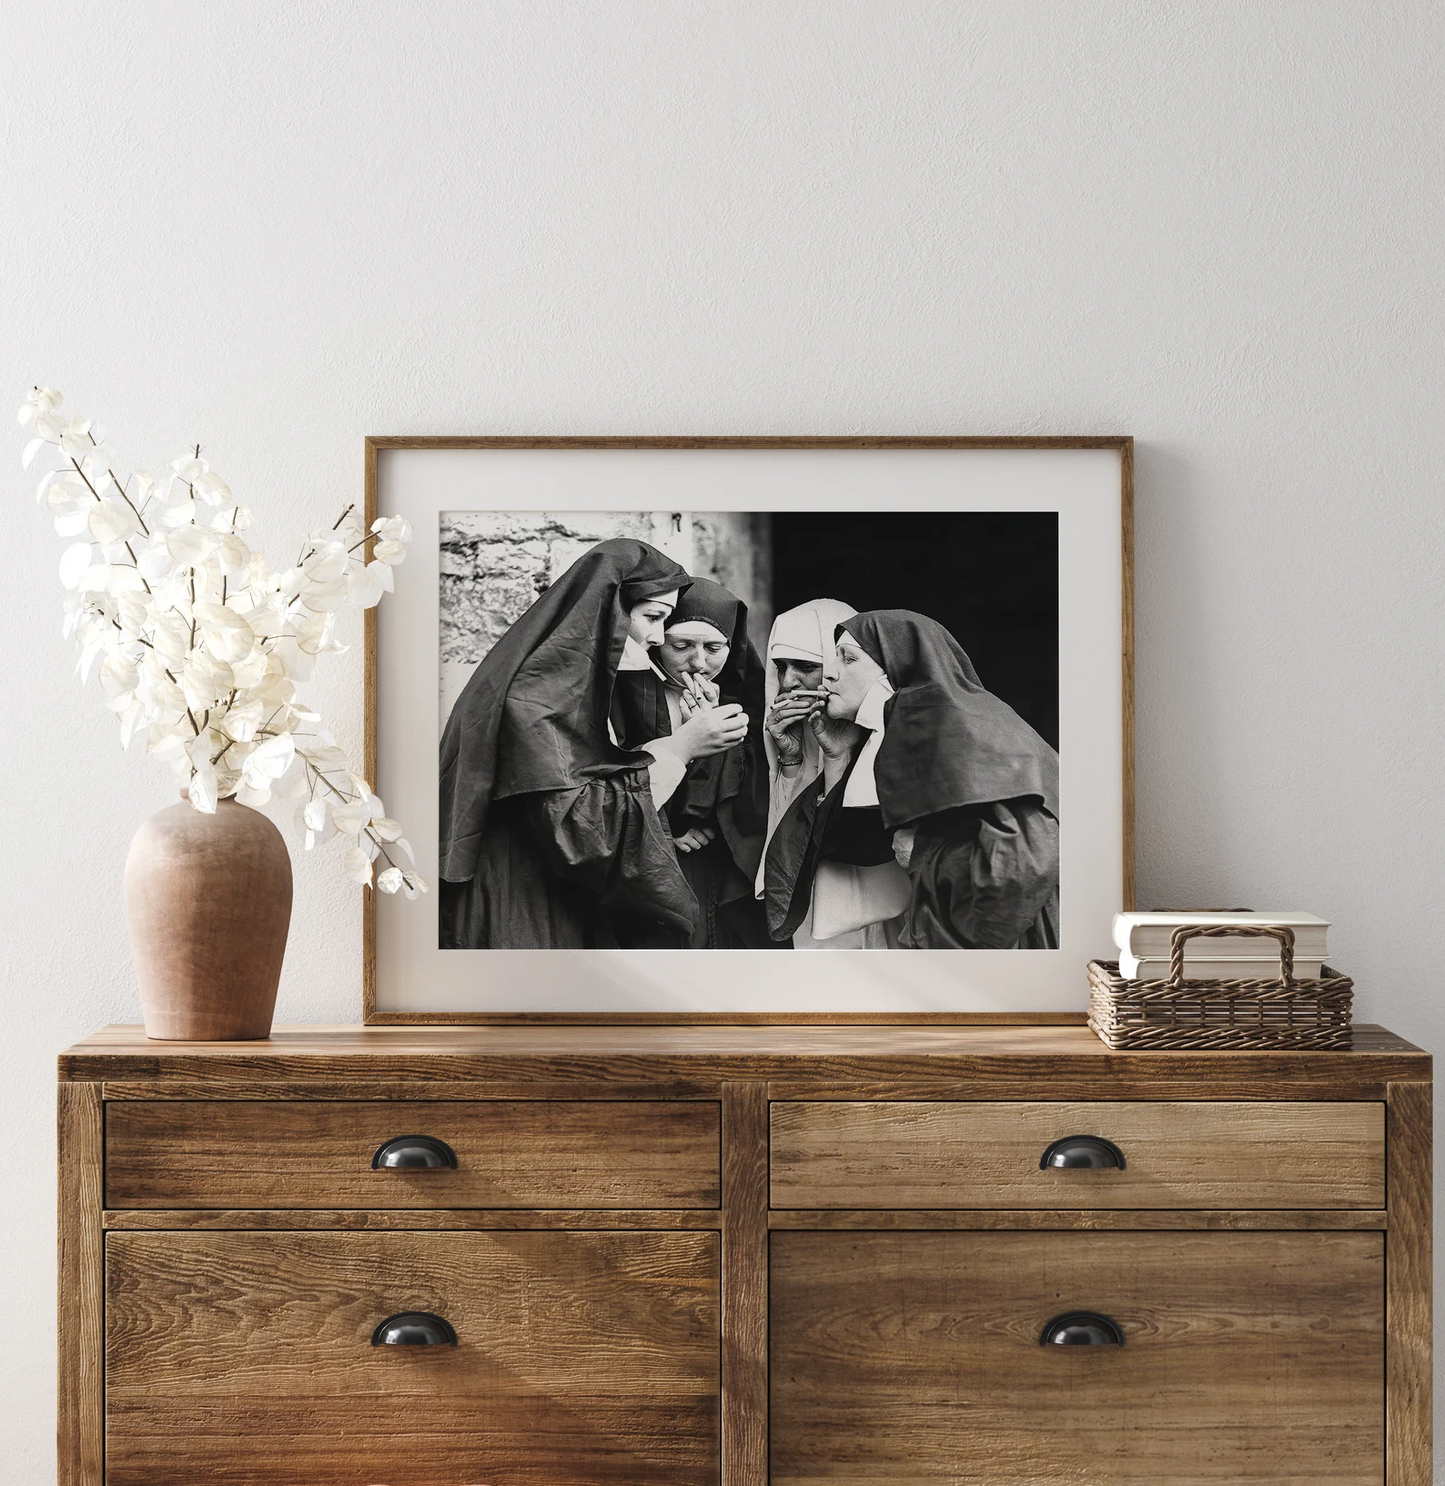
x: 1180, y: 937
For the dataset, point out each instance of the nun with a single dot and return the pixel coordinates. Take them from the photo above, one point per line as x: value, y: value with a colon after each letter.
x: 950, y: 780
x: 796, y: 732
x: 800, y: 640
x: 718, y: 814
x: 551, y: 836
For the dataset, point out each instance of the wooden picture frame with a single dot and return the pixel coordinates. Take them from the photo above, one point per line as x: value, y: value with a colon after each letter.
x: 378, y: 449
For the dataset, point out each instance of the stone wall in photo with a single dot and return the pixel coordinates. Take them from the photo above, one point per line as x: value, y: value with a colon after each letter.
x: 496, y: 564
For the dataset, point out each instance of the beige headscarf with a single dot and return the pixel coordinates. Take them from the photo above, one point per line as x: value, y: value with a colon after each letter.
x: 806, y: 634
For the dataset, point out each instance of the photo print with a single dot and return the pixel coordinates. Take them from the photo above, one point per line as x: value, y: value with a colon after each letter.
x: 723, y: 730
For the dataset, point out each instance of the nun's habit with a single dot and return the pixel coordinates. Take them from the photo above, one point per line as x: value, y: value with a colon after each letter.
x: 805, y: 634
x: 550, y: 831
x: 726, y: 792
x: 958, y: 767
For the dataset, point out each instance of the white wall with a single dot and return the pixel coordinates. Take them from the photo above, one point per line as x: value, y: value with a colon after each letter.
x: 1215, y: 225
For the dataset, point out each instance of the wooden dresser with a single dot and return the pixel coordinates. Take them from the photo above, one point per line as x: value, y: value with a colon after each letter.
x: 863, y: 1255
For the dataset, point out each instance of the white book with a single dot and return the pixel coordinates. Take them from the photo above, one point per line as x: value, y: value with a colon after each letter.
x: 1147, y: 934
x: 1131, y: 967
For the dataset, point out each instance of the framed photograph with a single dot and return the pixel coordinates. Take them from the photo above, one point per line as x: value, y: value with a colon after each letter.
x: 752, y: 729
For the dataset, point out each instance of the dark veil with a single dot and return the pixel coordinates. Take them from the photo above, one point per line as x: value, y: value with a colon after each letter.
x: 734, y: 785
x: 534, y: 714
x: 947, y: 742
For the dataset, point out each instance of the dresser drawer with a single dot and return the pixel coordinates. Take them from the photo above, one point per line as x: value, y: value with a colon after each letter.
x: 247, y: 1359
x: 1249, y: 1359
x: 1184, y: 1155
x: 515, y: 1154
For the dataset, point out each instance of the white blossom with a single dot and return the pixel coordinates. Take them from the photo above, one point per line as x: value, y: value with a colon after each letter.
x: 392, y: 529
x: 199, y: 644
x: 75, y: 564
x: 112, y: 520
x: 38, y: 400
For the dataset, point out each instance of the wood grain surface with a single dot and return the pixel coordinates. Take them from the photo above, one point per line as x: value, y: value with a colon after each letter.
x: 745, y: 1285
x: 834, y: 1220
x: 370, y: 1087
x: 1210, y: 1155
x: 749, y: 441
x: 80, y: 1336
x: 413, y: 1220
x: 1269, y: 1259
x: 999, y: 1062
x: 245, y: 1360
x: 1409, y: 1277
x: 533, y: 1154
x: 914, y: 1360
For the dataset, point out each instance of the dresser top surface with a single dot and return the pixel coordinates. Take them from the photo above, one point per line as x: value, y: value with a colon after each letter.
x: 630, y: 1052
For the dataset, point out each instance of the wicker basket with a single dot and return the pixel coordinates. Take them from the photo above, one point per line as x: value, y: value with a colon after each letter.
x: 1200, y: 1014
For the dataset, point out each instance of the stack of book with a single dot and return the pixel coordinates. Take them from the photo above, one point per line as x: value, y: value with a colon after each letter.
x: 1143, y: 941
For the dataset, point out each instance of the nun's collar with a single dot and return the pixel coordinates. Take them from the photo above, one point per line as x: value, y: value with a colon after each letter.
x: 634, y: 657
x: 870, y: 710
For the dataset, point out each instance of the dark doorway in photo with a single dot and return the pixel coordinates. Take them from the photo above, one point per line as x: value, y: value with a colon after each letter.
x: 991, y: 578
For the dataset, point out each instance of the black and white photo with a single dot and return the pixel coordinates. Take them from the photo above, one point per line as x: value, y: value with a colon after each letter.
x: 655, y: 753
x: 751, y: 728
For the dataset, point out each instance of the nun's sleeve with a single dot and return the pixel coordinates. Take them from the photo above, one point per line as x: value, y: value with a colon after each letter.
x: 607, y: 837
x: 664, y: 773
x: 987, y: 883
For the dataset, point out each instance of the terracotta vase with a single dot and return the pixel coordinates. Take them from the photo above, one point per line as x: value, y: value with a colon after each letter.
x: 208, y: 904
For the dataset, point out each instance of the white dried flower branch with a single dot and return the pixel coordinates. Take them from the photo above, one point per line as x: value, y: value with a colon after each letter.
x: 201, y: 646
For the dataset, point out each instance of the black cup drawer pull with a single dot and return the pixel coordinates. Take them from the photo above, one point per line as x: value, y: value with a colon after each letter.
x: 1075, y: 1152
x: 1081, y: 1329
x: 414, y: 1153
x: 414, y: 1329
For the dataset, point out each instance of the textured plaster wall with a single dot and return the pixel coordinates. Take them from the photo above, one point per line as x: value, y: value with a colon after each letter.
x: 1215, y: 225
